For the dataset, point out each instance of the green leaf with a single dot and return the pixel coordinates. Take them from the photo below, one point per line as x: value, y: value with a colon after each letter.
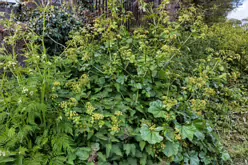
x: 171, y: 148
x: 83, y: 153
x: 225, y: 156
x: 121, y: 79
x: 101, y: 157
x: 11, y: 132
x: 99, y: 135
x: 108, y: 149
x: 143, y: 159
x: 151, y: 137
x: 138, y: 86
x: 6, y: 159
x: 129, y: 148
x: 132, y: 161
x: 169, y: 134
x: 142, y: 144
x: 116, y: 150
x: 71, y: 158
x: 149, y: 150
x: 95, y: 147
x: 157, y: 109
x: 194, y: 160
x: 188, y: 132
x: 199, y: 135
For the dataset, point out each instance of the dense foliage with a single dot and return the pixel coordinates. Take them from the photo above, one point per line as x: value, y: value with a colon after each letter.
x: 151, y: 96
x: 217, y: 10
x: 53, y: 23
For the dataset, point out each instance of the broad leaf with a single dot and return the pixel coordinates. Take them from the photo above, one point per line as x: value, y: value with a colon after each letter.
x: 225, y: 156
x: 169, y: 134
x: 151, y: 136
x: 188, y: 132
x: 194, y: 160
x: 171, y: 149
x: 129, y: 148
x: 83, y: 153
x: 157, y: 109
x: 116, y: 150
x: 143, y: 160
x: 101, y: 157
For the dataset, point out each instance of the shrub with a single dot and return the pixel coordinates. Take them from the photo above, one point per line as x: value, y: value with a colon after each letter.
x: 115, y: 97
x: 55, y: 22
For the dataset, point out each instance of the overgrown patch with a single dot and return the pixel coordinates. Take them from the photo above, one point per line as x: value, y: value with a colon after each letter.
x: 157, y: 95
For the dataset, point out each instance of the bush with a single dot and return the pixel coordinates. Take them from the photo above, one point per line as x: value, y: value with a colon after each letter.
x: 115, y: 97
x: 55, y: 22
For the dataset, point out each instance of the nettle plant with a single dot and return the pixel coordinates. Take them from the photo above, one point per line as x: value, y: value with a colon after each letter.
x: 113, y: 97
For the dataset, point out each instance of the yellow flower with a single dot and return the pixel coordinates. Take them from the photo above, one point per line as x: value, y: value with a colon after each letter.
x: 152, y: 128
x: 198, y: 104
x: 101, y: 124
x: 115, y: 128
x: 63, y: 104
x: 209, y: 92
x: 56, y: 84
x: 169, y: 102
x: 178, y: 137
x: 89, y: 108
x: 73, y: 102
x: 114, y: 119
x: 163, y: 146
x: 98, y: 116
x: 118, y: 113
x: 54, y: 96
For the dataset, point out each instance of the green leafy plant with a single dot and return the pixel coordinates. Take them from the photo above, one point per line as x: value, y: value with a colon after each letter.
x: 54, y: 23
x: 116, y: 97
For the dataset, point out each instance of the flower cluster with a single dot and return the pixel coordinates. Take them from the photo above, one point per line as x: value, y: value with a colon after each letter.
x: 198, y: 105
x: 77, y: 86
x: 169, y: 102
x: 196, y: 82
x: 209, y: 92
x: 72, y: 102
x: 115, y: 125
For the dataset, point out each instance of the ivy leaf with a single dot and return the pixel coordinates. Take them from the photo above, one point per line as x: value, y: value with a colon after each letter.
x: 151, y: 137
x: 157, y: 109
x: 171, y: 149
x: 188, y: 132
